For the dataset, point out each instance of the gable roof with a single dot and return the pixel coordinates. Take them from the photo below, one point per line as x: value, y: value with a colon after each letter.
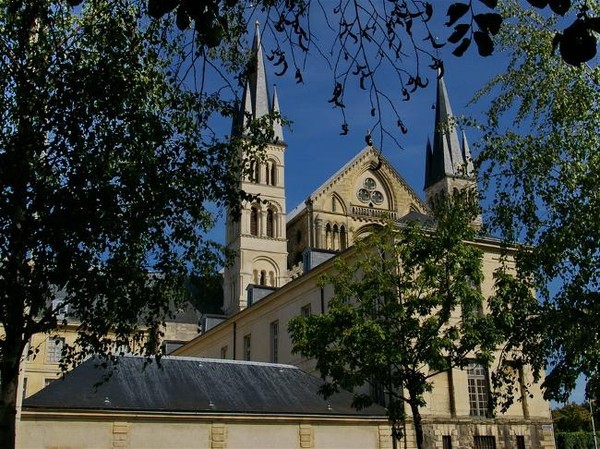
x: 368, y: 151
x: 186, y: 384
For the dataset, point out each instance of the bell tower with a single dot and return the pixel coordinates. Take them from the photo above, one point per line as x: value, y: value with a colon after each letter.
x: 258, y: 237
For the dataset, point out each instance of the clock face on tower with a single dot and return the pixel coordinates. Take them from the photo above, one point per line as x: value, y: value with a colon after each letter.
x: 368, y: 193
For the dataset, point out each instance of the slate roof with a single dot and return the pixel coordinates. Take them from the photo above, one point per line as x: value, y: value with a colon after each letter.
x: 186, y: 384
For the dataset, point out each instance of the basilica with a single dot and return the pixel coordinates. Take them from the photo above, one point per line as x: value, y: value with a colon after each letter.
x: 238, y: 384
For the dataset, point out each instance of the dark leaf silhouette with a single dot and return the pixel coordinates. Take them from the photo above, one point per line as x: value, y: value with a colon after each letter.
x: 489, y: 23
x: 560, y: 7
x: 460, y: 50
x: 485, y: 46
x: 577, y: 44
x: 455, y: 12
x: 490, y: 3
x: 459, y: 32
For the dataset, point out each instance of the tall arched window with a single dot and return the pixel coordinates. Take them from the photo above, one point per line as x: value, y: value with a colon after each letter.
x: 335, y: 238
x: 328, y: 244
x: 273, y: 173
x: 270, y: 223
x: 263, y: 277
x: 271, y: 279
x: 254, y: 220
x: 343, y: 238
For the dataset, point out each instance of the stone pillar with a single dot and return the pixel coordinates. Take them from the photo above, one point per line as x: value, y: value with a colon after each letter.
x: 120, y: 435
x: 318, y: 232
x: 306, y: 436
x: 385, y: 437
x: 218, y: 436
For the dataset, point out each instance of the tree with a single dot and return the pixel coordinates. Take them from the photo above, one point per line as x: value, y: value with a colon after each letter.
x: 107, y: 167
x: 406, y: 307
x: 572, y: 417
x: 541, y: 165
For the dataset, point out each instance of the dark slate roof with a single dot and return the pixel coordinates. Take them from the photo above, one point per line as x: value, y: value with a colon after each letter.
x: 185, y: 384
x: 185, y: 313
x: 418, y: 217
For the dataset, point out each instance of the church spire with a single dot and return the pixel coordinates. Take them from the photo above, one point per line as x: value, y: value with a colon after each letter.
x: 255, y: 101
x: 277, y: 128
x: 256, y: 88
x: 448, y: 158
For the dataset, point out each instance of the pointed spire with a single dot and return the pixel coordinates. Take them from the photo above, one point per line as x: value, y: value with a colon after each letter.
x: 447, y: 156
x: 428, y: 162
x: 466, y: 154
x: 277, y: 128
x: 255, y: 101
x: 256, y: 95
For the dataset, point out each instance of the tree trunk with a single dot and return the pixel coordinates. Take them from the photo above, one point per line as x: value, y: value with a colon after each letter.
x: 417, y: 422
x: 9, y: 370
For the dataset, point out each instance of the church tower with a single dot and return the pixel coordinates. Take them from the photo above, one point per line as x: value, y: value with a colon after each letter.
x: 448, y: 165
x: 258, y: 238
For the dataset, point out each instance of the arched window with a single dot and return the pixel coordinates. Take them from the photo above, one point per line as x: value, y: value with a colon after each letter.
x: 255, y: 272
x: 263, y: 277
x: 273, y: 173
x: 254, y: 220
x: 335, y: 238
x: 343, y: 238
x: 270, y: 223
x: 328, y: 236
x: 271, y: 279
x: 333, y: 207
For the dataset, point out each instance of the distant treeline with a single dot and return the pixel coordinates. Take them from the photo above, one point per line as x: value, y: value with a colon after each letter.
x: 576, y: 440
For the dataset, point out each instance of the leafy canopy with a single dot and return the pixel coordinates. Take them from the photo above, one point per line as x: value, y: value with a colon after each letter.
x: 406, y: 307
x: 541, y: 166
x: 108, y: 173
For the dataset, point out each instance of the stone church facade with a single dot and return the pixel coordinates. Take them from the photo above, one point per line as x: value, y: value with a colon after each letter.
x: 281, y: 257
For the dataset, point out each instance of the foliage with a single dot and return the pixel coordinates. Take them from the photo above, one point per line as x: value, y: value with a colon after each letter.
x: 406, y: 307
x: 575, y: 440
x: 540, y: 161
x: 572, y: 417
x: 107, y: 167
x: 206, y: 292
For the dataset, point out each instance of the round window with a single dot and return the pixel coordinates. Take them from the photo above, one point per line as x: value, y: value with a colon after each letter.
x: 363, y: 195
x: 377, y: 197
x: 370, y: 183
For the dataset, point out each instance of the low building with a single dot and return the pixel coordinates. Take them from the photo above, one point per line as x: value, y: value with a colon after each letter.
x: 196, y: 403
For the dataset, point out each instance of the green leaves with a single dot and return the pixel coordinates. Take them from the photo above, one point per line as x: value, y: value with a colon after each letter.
x: 543, y: 165
x: 397, y: 307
